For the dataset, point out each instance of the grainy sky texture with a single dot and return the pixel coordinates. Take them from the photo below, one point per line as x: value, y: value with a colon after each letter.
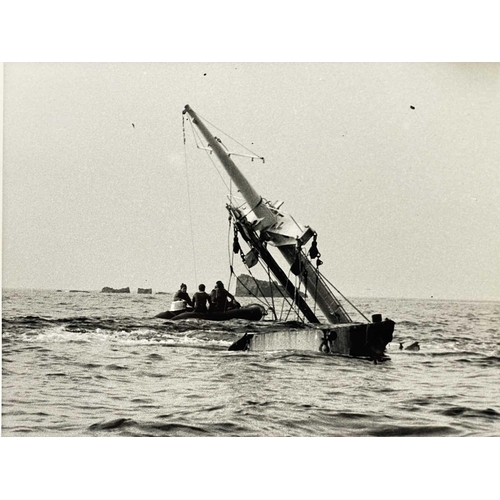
x: 396, y: 166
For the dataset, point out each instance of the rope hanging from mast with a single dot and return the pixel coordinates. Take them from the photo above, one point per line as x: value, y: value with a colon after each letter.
x: 253, y: 155
x: 189, y: 201
x: 261, y: 297
x: 207, y: 150
x: 231, y: 267
x: 314, y: 254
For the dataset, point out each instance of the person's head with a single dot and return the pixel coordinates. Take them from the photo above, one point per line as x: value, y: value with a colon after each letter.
x: 183, y: 287
x: 219, y: 284
x: 201, y: 287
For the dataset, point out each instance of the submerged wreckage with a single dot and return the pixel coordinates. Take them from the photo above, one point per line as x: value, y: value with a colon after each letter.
x: 261, y: 225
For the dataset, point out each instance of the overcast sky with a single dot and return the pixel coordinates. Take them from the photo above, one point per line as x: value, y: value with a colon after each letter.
x: 396, y: 166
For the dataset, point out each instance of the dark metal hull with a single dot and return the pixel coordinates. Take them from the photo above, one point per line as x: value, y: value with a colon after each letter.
x: 352, y: 339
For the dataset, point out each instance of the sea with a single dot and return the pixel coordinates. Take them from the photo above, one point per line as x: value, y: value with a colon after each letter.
x: 92, y: 364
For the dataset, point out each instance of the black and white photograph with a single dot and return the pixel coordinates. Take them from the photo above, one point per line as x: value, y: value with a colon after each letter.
x: 257, y: 249
x: 187, y: 271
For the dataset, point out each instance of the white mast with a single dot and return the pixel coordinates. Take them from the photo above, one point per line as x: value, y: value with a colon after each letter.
x: 277, y: 228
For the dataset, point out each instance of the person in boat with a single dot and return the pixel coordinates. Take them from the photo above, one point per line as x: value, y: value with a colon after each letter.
x: 182, y: 294
x: 201, y: 299
x: 221, y: 299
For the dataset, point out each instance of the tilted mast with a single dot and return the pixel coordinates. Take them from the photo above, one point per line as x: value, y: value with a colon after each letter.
x: 280, y: 230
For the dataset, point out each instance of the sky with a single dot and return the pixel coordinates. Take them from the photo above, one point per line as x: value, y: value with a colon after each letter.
x: 395, y: 165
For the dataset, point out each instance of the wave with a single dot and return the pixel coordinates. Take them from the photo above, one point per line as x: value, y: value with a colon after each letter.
x: 436, y: 340
x: 90, y: 329
x: 116, y: 367
x: 412, y: 430
x: 130, y: 427
x: 112, y: 424
x: 463, y: 411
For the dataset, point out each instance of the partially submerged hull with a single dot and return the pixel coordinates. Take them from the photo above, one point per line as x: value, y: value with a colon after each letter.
x: 353, y: 339
x: 251, y: 313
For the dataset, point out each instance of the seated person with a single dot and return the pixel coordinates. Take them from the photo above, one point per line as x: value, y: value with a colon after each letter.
x: 221, y: 299
x: 200, y: 300
x: 182, y: 294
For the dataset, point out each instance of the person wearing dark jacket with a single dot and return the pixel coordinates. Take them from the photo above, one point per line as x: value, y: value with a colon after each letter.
x: 221, y: 299
x: 200, y: 300
x: 182, y: 294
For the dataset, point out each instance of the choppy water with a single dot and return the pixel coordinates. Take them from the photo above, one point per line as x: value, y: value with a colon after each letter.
x: 93, y: 364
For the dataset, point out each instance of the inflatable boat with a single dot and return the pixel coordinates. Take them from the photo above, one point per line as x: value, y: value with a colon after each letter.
x: 253, y: 312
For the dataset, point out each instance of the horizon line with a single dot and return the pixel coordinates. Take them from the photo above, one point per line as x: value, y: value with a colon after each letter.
x: 76, y: 290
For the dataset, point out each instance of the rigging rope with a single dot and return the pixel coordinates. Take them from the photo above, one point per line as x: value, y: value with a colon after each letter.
x: 189, y: 201
x: 292, y: 303
x: 271, y: 286
x: 302, y: 276
x: 233, y: 139
x: 314, y: 254
x: 208, y: 152
x: 262, y: 299
x: 248, y: 269
x: 345, y: 298
x: 284, y: 296
x: 316, y: 287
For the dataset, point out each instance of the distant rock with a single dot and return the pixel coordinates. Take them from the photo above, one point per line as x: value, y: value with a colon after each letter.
x: 108, y: 289
x: 161, y: 293
x: 247, y: 286
x: 145, y: 290
x: 79, y: 291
